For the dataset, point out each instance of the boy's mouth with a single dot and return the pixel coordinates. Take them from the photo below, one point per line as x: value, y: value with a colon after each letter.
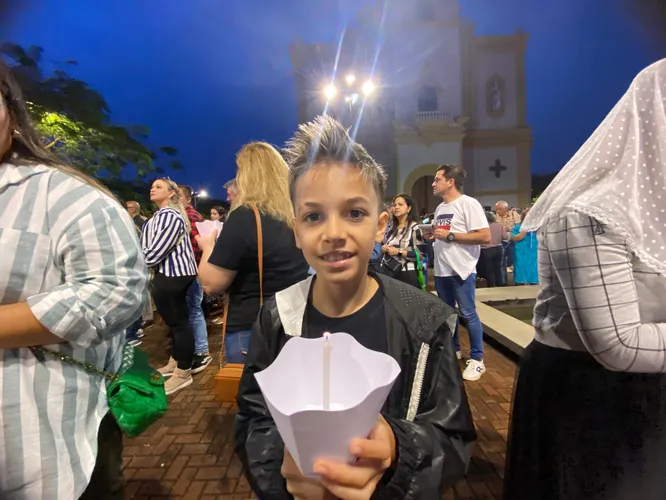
x: 336, y: 256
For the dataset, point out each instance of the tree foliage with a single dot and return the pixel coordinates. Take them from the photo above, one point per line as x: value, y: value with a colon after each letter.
x: 75, y: 119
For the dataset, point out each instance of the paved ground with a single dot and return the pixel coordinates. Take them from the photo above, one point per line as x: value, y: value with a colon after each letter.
x: 189, y: 454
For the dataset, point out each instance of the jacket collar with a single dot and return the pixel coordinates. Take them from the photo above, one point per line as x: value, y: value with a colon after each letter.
x: 11, y: 174
x: 291, y: 304
x: 423, y: 314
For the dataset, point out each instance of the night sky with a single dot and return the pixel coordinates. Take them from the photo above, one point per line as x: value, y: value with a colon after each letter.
x: 207, y: 76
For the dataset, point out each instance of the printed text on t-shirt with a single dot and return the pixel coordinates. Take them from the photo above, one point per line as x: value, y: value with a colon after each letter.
x: 443, y: 221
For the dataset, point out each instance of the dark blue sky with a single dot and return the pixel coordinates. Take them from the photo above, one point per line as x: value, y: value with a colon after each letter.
x: 208, y: 76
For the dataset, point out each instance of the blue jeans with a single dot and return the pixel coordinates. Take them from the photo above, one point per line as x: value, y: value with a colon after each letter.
x: 196, y: 316
x: 454, y: 290
x: 236, y: 345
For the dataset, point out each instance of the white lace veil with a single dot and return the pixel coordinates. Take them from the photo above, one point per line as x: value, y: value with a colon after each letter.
x: 619, y: 175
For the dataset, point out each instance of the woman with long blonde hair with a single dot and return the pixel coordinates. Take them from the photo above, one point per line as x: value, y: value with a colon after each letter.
x: 168, y: 251
x: 263, y: 181
x: 232, y: 265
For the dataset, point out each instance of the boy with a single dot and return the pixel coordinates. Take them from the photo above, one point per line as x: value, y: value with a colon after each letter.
x: 419, y: 445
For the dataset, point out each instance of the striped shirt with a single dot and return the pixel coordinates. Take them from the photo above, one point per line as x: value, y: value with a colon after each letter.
x: 166, y: 244
x: 73, y: 255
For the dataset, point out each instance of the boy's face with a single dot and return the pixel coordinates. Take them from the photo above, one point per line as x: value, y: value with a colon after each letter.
x: 337, y: 221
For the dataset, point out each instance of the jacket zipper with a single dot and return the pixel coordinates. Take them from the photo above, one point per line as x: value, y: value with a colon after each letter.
x: 417, y: 385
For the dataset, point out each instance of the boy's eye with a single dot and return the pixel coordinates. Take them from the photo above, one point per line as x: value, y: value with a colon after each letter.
x: 312, y: 217
x: 356, y: 214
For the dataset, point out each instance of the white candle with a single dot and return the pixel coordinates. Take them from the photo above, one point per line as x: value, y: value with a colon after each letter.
x: 327, y: 372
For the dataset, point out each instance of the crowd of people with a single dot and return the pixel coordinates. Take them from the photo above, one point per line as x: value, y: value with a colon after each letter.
x: 589, y: 399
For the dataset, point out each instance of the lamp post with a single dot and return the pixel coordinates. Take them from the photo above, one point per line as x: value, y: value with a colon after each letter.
x: 351, y: 91
x: 201, y: 194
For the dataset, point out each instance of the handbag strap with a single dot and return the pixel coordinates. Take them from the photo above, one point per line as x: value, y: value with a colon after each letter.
x: 260, y: 263
x: 87, y: 367
x: 260, y: 255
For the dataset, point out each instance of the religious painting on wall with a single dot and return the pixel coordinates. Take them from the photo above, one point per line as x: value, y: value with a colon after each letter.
x: 495, y: 96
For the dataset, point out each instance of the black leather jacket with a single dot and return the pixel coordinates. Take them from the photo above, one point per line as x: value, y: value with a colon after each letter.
x: 427, y: 407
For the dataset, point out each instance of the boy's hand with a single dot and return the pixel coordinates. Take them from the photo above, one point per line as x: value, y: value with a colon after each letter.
x: 301, y: 487
x: 358, y: 481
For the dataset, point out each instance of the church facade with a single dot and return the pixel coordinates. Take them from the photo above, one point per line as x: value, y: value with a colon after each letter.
x: 418, y: 88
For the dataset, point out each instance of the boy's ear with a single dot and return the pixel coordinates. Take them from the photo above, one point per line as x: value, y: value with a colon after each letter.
x: 381, y: 227
x: 298, y: 240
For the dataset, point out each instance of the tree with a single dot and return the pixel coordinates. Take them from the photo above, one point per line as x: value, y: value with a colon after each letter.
x: 75, y: 120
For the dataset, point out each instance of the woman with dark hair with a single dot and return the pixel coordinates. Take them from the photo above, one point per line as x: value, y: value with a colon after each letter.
x: 73, y: 279
x: 218, y: 213
x: 399, y: 249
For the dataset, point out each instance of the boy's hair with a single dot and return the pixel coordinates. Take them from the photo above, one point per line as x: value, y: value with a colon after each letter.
x: 455, y: 172
x: 323, y: 140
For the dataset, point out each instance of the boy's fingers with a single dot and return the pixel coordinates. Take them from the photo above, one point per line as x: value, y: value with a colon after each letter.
x: 336, y: 473
x: 370, y: 449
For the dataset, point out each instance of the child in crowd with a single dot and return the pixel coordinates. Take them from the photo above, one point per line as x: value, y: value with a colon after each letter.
x: 419, y: 445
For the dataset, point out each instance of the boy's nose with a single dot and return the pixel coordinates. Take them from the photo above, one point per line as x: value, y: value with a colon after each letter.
x: 334, y: 229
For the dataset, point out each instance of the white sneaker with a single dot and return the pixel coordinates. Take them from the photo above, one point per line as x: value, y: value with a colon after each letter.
x: 474, y: 370
x: 459, y: 354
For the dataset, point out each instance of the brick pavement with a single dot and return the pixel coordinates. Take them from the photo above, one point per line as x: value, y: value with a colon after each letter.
x: 189, y: 454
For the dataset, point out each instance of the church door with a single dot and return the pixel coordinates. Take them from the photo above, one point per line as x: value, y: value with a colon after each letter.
x: 422, y: 195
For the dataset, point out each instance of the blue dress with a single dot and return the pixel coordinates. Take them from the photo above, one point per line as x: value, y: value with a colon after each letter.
x: 525, y: 268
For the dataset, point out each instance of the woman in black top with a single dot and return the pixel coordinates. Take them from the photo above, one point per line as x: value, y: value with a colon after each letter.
x: 231, y: 264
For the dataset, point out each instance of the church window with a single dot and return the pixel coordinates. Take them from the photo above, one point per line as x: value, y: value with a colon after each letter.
x: 427, y: 99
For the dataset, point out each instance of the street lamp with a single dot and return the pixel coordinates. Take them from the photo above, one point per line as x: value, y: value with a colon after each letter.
x: 202, y: 194
x: 353, y: 92
x: 330, y: 91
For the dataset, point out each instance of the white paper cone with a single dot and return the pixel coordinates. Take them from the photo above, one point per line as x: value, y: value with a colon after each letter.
x: 292, y: 386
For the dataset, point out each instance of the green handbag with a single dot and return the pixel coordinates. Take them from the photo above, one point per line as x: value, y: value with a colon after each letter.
x: 135, y: 394
x: 419, y: 271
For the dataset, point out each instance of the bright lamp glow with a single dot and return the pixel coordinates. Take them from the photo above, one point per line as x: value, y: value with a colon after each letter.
x: 350, y: 79
x: 330, y: 91
x: 368, y: 87
x: 202, y: 194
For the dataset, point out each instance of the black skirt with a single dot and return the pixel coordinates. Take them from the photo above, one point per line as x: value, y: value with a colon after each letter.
x: 579, y: 431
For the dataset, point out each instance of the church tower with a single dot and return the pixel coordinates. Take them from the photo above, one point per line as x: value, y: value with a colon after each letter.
x: 439, y: 94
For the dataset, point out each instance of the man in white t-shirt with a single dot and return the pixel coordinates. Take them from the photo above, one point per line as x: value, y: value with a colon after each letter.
x: 461, y: 227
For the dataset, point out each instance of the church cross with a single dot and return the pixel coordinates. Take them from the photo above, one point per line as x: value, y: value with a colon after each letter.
x: 498, y: 168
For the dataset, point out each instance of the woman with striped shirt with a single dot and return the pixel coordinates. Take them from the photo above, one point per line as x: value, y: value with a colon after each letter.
x: 72, y: 279
x: 168, y: 251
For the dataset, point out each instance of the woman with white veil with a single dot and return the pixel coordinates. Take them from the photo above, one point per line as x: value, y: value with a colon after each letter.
x: 589, y: 409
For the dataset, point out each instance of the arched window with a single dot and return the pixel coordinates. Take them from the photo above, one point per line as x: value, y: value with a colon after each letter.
x: 425, y: 10
x: 427, y: 99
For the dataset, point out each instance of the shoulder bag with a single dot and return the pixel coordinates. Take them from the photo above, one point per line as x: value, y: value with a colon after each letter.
x: 135, y: 394
x: 227, y: 380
